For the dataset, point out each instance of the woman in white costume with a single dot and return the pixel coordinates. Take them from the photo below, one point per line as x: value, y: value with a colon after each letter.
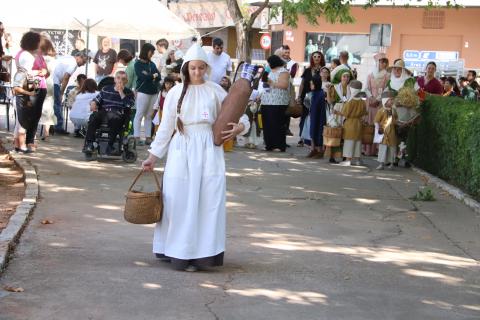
x: 192, y: 231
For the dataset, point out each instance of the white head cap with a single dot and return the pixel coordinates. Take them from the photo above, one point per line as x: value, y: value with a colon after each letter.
x: 196, y: 52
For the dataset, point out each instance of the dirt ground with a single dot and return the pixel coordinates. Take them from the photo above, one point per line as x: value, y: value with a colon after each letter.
x: 12, y: 187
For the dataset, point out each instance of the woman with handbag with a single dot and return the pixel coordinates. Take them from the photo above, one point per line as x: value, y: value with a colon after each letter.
x: 275, y: 100
x: 192, y: 231
x: 148, y: 80
x: 29, y: 95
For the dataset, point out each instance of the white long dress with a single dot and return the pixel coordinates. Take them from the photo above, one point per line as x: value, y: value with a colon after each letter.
x: 48, y: 114
x: 194, y: 184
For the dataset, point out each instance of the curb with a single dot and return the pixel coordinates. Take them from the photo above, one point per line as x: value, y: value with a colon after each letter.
x: 453, y: 191
x: 18, y: 221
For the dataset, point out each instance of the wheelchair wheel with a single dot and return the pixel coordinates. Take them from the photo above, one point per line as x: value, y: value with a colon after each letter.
x: 131, y: 144
x: 129, y: 156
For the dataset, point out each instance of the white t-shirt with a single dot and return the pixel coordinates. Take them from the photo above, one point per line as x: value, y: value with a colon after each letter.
x: 220, y: 65
x: 65, y: 64
x: 81, y: 106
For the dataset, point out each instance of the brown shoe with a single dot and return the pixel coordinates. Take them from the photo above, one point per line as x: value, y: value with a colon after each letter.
x: 312, y: 154
x: 319, y: 155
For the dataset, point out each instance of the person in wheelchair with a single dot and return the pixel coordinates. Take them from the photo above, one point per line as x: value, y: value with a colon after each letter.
x: 112, y: 106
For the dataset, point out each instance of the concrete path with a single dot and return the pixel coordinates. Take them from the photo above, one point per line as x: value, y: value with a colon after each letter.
x: 306, y: 240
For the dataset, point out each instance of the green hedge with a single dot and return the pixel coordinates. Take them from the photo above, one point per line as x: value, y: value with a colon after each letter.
x: 446, y: 142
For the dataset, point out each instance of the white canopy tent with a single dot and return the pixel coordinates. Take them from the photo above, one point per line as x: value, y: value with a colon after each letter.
x: 141, y: 19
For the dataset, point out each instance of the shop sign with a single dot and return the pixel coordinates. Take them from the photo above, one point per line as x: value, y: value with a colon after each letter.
x: 208, y: 14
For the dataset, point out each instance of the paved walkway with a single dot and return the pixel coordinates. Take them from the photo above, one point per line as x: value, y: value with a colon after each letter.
x: 306, y: 240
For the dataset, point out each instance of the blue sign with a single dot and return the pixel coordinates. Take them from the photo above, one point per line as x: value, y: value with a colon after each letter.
x: 430, y: 55
x: 415, y: 64
x: 411, y: 55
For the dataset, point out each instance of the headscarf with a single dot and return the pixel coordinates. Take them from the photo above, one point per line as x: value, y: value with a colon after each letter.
x: 338, y: 72
x: 397, y: 83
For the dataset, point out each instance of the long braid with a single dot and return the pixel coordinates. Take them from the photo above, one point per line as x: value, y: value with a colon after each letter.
x: 186, y: 82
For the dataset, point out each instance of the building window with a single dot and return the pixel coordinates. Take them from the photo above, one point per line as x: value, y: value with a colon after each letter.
x: 433, y: 19
x: 277, y: 40
x: 331, y: 44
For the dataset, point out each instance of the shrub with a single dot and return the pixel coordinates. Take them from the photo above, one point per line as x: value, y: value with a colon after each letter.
x: 446, y: 142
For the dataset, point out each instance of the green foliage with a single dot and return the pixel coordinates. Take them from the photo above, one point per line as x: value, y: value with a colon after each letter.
x: 425, y: 194
x: 333, y: 10
x: 336, y: 11
x: 446, y: 142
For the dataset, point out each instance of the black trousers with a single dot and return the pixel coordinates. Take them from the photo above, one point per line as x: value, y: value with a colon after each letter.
x: 274, y: 129
x: 115, y: 120
x: 29, y: 112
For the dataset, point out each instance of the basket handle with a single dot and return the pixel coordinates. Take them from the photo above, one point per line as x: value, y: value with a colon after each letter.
x: 140, y: 174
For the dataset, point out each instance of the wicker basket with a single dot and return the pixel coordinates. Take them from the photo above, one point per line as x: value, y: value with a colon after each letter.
x: 332, y: 136
x: 143, y: 207
x: 368, y: 134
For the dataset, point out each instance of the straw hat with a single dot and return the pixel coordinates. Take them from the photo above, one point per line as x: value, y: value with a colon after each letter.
x: 399, y: 64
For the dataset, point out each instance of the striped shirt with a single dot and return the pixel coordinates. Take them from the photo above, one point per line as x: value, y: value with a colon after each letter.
x: 109, y: 99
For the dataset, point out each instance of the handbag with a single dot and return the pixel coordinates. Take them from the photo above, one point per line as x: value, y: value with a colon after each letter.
x: 143, y: 207
x: 29, y: 83
x: 294, y: 109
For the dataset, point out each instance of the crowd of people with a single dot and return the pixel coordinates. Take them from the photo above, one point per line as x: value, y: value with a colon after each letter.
x: 331, y: 97
x: 323, y: 92
x: 178, y: 97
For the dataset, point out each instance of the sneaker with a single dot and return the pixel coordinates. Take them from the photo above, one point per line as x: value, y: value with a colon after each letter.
x: 391, y: 167
x: 357, y: 163
x: 300, y: 143
x: 89, y: 147
x: 346, y: 163
x: 381, y: 167
x: 191, y: 268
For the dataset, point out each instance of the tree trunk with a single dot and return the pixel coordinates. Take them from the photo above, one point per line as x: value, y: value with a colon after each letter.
x: 244, y: 27
x: 244, y: 42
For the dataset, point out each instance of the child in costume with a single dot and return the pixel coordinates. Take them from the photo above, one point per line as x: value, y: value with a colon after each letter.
x: 353, y: 111
x: 386, y: 119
